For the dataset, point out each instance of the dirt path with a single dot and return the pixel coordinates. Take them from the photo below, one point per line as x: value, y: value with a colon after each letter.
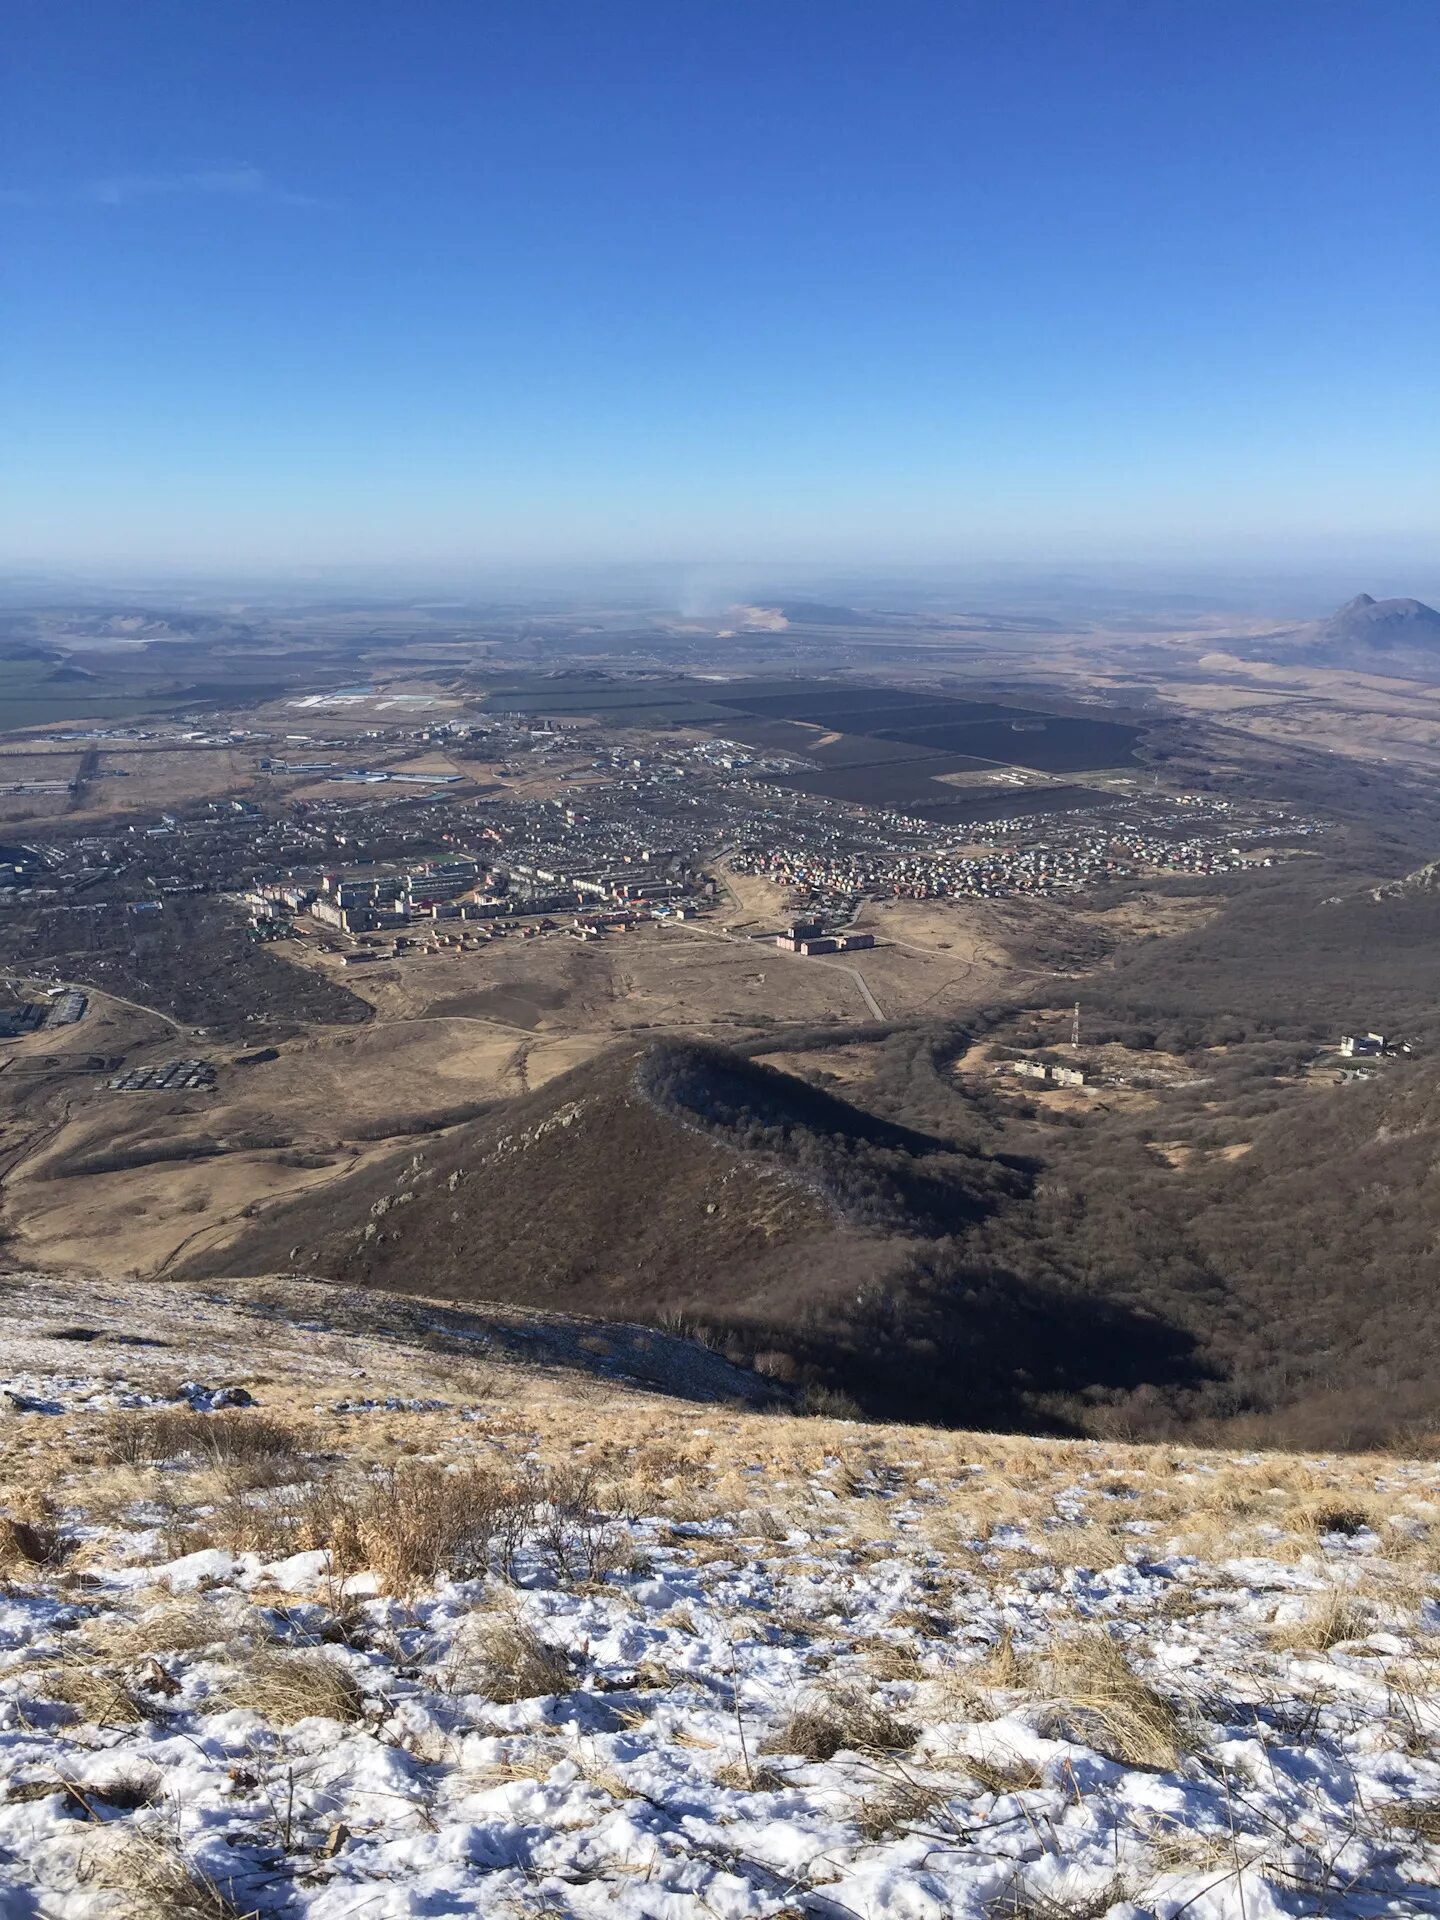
x: 835, y: 966
x: 104, y: 993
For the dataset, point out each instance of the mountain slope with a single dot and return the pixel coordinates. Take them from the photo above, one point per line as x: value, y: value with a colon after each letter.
x: 1399, y: 636
x: 1385, y: 624
x: 658, y: 1181
x: 681, y: 1184
x: 1271, y: 1266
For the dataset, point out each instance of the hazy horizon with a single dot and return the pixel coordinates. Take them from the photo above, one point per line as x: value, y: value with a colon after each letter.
x: 707, y: 590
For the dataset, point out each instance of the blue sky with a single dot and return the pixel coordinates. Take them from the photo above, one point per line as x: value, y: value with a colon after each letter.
x: 454, y: 281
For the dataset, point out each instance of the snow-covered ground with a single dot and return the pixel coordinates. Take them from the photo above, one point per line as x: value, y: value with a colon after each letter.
x: 682, y: 1661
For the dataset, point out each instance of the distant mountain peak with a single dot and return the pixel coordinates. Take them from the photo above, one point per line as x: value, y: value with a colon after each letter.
x: 1399, y: 636
x: 1382, y: 625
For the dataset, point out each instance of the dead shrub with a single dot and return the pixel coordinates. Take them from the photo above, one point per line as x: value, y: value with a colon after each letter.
x: 774, y: 1363
x: 327, y: 1517
x: 244, y: 1523
x: 285, y: 1687
x: 1121, y: 1715
x: 830, y: 1403
x: 580, y: 1540
x: 840, y: 1720
x: 24, y: 1544
x: 420, y: 1521
x: 506, y: 1660
x: 266, y: 1449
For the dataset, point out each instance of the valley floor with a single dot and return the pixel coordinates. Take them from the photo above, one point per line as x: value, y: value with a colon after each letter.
x: 424, y: 1627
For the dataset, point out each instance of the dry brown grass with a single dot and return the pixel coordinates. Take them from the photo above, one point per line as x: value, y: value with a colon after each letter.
x: 1120, y: 1714
x: 252, y: 1446
x: 1088, y: 1901
x: 1093, y: 1545
x: 840, y: 1720
x: 25, y: 1544
x: 962, y: 1692
x: 898, y: 1805
x: 892, y: 1660
x: 96, y: 1694
x: 1002, y: 1770
x: 121, y: 1793
x: 419, y: 1521
x: 168, y: 1625
x: 519, y: 1760
x: 1335, y: 1617
x: 505, y: 1659
x: 415, y: 1523
x: 1326, y: 1516
x: 1420, y: 1817
x: 150, y: 1872
x: 743, y: 1776
x: 1175, y: 1848
x: 285, y: 1687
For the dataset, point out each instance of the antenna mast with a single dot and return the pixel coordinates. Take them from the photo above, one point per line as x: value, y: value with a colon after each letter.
x: 1075, y: 1026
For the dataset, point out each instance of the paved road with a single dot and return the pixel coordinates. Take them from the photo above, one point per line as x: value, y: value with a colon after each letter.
x: 855, y: 974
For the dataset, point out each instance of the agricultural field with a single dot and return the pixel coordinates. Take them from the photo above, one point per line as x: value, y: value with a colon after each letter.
x: 635, y: 703
x: 1049, y: 745
x: 882, y: 746
x: 31, y: 696
x: 869, y: 750
x: 820, y: 701
x: 773, y: 736
x: 998, y: 803
x: 843, y: 726
x: 893, y: 783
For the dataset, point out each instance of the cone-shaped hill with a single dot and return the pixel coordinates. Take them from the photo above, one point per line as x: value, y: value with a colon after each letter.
x: 655, y: 1183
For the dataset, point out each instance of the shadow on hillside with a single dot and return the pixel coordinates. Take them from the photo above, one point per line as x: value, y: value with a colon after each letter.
x: 991, y: 1350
